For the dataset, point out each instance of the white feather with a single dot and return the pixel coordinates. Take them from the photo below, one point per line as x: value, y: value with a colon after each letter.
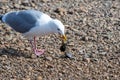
x: 41, y: 27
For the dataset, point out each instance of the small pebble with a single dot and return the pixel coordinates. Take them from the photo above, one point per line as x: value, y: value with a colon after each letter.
x: 68, y: 55
x: 33, y: 56
x: 61, y: 11
x: 39, y: 78
x: 49, y: 58
x: 87, y: 60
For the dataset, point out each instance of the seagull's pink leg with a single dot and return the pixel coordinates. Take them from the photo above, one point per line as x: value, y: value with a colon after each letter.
x: 37, y: 51
x: 34, y: 47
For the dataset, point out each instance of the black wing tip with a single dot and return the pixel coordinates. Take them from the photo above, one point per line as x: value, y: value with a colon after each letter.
x: 1, y: 17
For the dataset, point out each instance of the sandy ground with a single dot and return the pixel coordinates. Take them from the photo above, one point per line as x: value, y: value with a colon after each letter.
x: 93, y: 32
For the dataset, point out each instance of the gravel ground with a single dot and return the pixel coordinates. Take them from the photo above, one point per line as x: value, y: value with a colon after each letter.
x: 93, y: 49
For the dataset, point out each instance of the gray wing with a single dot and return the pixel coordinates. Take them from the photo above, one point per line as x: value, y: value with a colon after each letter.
x: 22, y: 21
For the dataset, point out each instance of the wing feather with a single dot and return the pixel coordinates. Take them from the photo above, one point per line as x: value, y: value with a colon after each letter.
x: 22, y: 21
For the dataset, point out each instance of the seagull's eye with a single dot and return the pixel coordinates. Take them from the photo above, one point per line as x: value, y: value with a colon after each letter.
x: 58, y: 29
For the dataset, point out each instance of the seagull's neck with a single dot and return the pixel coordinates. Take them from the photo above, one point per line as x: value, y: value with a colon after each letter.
x: 49, y: 27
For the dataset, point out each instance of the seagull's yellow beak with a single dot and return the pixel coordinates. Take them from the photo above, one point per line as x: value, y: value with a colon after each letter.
x: 64, y: 38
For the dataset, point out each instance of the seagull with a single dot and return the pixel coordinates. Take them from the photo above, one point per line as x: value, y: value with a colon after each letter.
x: 32, y: 24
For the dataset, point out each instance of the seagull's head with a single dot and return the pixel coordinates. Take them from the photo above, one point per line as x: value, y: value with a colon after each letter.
x: 59, y: 28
